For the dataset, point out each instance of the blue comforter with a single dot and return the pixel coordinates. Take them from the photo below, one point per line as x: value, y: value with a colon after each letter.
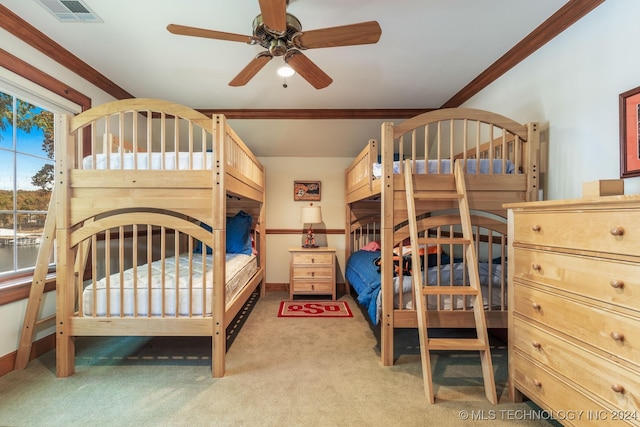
x: 363, y: 275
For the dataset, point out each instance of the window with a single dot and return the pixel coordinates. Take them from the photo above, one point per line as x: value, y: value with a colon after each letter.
x: 26, y: 180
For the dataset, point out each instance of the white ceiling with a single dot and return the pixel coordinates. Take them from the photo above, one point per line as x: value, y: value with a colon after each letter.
x: 428, y: 51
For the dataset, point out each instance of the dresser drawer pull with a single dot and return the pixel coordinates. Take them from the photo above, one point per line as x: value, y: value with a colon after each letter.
x: 617, y: 284
x: 537, y: 383
x: 617, y: 336
x: 313, y: 274
x: 536, y: 344
x: 536, y: 228
x: 536, y: 267
x: 535, y: 306
x: 618, y: 388
x: 313, y: 260
x: 617, y: 231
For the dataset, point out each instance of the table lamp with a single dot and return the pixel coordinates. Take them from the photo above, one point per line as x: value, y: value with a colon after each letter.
x: 310, y: 215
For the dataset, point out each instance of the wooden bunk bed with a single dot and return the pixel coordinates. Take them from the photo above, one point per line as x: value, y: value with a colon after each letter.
x: 502, y: 165
x: 155, y: 203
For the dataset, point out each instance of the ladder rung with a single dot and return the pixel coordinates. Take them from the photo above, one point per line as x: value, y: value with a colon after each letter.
x: 428, y: 195
x: 456, y: 344
x: 450, y: 290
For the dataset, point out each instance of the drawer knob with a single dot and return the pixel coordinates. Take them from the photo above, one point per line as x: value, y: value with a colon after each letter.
x: 313, y: 274
x: 617, y: 284
x: 536, y: 228
x: 536, y: 267
x: 617, y: 336
x: 537, y: 383
x: 313, y: 260
x: 618, y: 388
x: 617, y: 231
x: 536, y: 344
x: 535, y: 306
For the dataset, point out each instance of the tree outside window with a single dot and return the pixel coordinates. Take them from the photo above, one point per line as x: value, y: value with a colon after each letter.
x: 26, y: 180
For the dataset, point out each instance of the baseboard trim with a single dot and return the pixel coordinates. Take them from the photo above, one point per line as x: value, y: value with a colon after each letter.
x: 39, y: 347
x: 284, y: 287
x: 277, y: 287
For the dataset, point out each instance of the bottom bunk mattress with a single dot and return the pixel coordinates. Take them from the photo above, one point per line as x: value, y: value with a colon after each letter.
x: 363, y: 274
x: 239, y: 269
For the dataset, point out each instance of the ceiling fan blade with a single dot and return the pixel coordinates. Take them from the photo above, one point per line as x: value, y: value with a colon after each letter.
x: 210, y: 34
x: 346, y: 35
x: 251, y: 69
x: 307, y: 69
x: 274, y: 14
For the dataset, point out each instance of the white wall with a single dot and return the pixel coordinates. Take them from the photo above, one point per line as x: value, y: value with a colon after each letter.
x: 284, y: 213
x: 572, y: 85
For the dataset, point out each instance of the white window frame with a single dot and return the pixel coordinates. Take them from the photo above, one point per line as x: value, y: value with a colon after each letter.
x: 25, y: 90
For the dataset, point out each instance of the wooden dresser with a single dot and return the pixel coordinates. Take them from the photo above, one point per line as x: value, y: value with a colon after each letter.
x: 312, y: 272
x: 574, y: 308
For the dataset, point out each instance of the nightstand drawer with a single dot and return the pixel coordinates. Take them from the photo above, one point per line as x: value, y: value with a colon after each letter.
x: 312, y: 272
x: 312, y: 258
x: 614, y: 232
x: 612, y: 282
x: 315, y: 287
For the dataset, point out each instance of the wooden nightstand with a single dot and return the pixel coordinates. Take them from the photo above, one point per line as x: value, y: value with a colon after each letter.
x: 312, y: 272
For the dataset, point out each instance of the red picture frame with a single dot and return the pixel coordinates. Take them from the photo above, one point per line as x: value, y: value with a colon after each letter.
x: 630, y: 133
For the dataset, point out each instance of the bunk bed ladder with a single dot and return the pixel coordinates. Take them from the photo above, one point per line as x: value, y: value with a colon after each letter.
x: 481, y: 342
x: 31, y: 321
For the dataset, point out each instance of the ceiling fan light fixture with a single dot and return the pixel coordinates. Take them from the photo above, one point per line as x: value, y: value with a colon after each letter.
x: 280, y: 33
x: 286, y: 71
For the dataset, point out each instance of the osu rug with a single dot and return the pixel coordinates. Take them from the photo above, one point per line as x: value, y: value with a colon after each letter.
x: 314, y: 309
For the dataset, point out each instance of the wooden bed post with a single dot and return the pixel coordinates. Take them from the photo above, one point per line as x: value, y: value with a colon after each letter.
x: 386, y: 231
x: 533, y: 161
x: 65, y: 301
x: 263, y: 241
x: 348, y: 244
x: 218, y: 212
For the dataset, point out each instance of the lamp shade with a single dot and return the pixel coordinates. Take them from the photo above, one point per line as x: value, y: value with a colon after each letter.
x: 310, y: 215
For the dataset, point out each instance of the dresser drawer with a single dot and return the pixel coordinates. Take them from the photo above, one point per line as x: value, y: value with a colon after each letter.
x: 551, y: 392
x: 613, y: 232
x: 312, y: 272
x: 608, y: 380
x: 300, y: 286
x: 312, y: 258
x: 610, y: 282
x: 608, y: 330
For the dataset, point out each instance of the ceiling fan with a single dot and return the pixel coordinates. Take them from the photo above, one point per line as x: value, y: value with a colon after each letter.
x: 281, y: 34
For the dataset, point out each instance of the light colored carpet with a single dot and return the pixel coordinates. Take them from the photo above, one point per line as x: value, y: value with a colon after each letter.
x: 280, y: 372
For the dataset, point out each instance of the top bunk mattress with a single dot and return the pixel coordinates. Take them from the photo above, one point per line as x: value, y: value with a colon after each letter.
x: 420, y: 166
x: 150, y: 161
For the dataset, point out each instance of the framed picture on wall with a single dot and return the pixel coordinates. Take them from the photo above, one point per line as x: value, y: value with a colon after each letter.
x: 306, y: 190
x: 630, y: 133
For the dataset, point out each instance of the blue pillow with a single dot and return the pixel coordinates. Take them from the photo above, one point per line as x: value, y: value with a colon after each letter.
x: 198, y: 246
x: 239, y: 234
x: 396, y: 157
